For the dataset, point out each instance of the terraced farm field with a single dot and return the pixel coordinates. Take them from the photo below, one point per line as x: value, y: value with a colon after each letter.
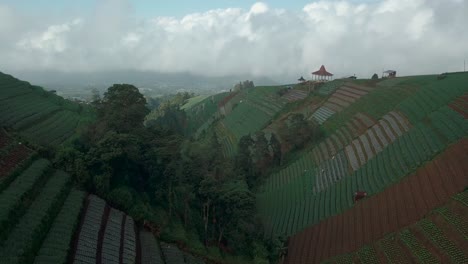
x: 396, y: 207
x: 255, y: 108
x: 295, y: 95
x: 343, y: 97
x: 39, y: 116
x: 202, y: 113
x: 364, y: 154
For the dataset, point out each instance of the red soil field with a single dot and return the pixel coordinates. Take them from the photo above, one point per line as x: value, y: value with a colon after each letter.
x: 399, y: 205
x: 11, y: 160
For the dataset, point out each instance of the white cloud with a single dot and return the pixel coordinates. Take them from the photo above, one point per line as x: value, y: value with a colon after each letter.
x: 419, y: 36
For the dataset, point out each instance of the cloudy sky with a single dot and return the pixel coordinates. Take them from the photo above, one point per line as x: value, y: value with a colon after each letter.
x: 279, y: 39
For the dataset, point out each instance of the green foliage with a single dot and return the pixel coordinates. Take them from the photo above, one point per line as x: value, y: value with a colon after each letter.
x: 375, y: 76
x: 123, y: 107
x: 244, y: 85
x: 121, y: 198
x: 298, y: 131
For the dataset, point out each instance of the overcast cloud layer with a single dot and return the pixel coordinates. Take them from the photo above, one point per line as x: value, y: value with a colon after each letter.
x: 412, y: 37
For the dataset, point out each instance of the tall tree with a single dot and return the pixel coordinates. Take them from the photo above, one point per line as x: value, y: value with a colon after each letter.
x: 123, y: 108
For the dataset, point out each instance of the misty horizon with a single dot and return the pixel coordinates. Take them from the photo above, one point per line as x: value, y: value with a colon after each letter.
x: 348, y: 37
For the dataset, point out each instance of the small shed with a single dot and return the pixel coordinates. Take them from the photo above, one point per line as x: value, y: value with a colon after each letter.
x: 389, y: 74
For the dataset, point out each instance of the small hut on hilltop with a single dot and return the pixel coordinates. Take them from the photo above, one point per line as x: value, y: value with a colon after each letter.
x: 322, y: 74
x: 389, y: 74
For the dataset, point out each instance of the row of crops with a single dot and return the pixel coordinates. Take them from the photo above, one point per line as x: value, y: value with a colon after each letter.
x: 24, y: 238
x: 107, y: 235
x: 40, y: 213
x: 432, y: 96
x: 40, y: 116
x: 201, y: 114
x: 376, y: 103
x: 375, y: 139
x: 389, y: 211
x: 400, y: 158
x: 341, y: 99
x: 329, y: 87
x: 430, y: 240
x: 252, y: 111
x: 226, y: 139
x: 55, y: 248
x: 245, y: 119
x: 324, y: 153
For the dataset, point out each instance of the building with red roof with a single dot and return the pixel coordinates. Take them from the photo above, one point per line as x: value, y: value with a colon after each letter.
x: 322, y: 74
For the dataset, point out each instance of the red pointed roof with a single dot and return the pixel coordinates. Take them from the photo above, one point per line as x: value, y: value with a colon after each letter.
x: 322, y: 72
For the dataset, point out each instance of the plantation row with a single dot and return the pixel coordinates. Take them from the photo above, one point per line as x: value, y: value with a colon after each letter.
x: 226, y: 139
x: 432, y: 96
x: 295, y: 95
x: 40, y: 212
x: 388, y: 211
x: 376, y: 138
x: 324, y: 153
x: 340, y: 99
x: 25, y: 225
x: 107, y: 235
x: 437, y: 238
x: 265, y: 99
x: 375, y: 104
x: 329, y: 87
x: 461, y: 105
x: 245, y: 119
x: 202, y: 114
x: 285, y: 213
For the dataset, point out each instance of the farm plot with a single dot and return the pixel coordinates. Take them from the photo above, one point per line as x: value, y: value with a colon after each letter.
x: 295, y: 95
x: 56, y: 246
x: 107, y: 235
x: 14, y: 156
x: 376, y: 138
x: 341, y: 99
x: 329, y: 87
x: 398, y: 206
x: 150, y: 251
x: 431, y: 96
x: 87, y: 246
x: 20, y: 188
x: 129, y: 242
x: 461, y: 105
x: 20, y: 245
x: 111, y: 241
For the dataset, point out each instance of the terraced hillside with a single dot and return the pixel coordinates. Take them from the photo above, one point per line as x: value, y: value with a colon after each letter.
x: 201, y: 112
x: 38, y: 115
x: 252, y: 110
x: 391, y: 145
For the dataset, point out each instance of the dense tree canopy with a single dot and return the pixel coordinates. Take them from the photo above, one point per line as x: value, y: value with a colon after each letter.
x: 184, y: 188
x: 123, y: 108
